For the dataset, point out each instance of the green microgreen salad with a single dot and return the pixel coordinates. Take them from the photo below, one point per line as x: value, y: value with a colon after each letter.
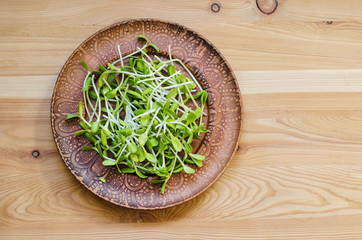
x: 142, y: 114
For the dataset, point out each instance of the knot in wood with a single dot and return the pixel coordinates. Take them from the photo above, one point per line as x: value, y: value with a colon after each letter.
x: 215, y: 7
x: 267, y: 6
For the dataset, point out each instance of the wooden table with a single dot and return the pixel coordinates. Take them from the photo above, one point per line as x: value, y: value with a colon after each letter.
x: 298, y: 172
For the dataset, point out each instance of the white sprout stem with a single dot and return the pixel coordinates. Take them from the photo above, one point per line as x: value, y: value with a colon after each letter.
x: 153, y: 119
x: 120, y: 55
x: 184, y: 66
x: 99, y: 100
x: 129, y: 55
x: 193, y: 100
x: 84, y: 97
x: 169, y: 52
x: 106, y: 145
x: 119, y: 156
x: 188, y: 71
x: 167, y: 78
x: 178, y: 85
x: 176, y: 122
x: 94, y: 113
x: 145, y: 113
x: 85, y: 105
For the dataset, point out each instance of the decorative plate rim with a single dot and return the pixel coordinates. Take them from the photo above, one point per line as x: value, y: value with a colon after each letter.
x: 237, y: 141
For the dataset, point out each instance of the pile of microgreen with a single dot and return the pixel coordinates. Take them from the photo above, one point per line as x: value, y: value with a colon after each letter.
x: 143, y: 115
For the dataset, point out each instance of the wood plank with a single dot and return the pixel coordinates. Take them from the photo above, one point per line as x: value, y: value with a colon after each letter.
x: 231, y: 11
x: 269, y: 229
x: 329, y: 188
x: 249, y: 46
x: 306, y: 42
x: 297, y: 173
x: 273, y: 193
x: 250, y: 82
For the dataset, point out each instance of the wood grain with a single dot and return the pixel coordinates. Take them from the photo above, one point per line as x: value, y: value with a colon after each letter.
x: 297, y: 174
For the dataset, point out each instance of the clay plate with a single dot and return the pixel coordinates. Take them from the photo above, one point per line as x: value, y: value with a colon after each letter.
x: 224, y: 113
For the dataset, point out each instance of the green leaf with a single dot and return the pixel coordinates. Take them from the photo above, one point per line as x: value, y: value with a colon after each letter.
x: 125, y: 132
x: 134, y: 94
x: 163, y: 188
x: 87, y: 84
x: 103, y: 137
x: 197, y: 95
x: 191, y: 117
x: 154, y: 46
x: 111, y: 94
x: 90, y: 137
x: 128, y: 170
x: 198, y: 163
x: 172, y: 93
x: 142, y: 139
x: 147, y: 91
x: 93, y: 95
x: 80, y: 108
x: 108, y: 163
x: 142, y: 37
x: 70, y: 116
x: 80, y: 132
x: 198, y: 157
x: 187, y: 98
x: 155, y: 181
x: 140, y: 66
x: 129, y: 163
x: 145, y: 119
x: 172, y: 114
x: 167, y: 104
x: 180, y: 127
x: 151, y: 158
x: 152, y: 142
x: 101, y: 78
x: 87, y: 148
x: 137, y: 104
x: 111, y: 66
x: 203, y: 97
x: 171, y: 125
x: 130, y: 61
x: 174, y: 106
x: 83, y: 125
x: 102, y: 179
x: 188, y: 169
x: 139, y: 111
x: 188, y: 161
x: 190, y: 86
x: 141, y: 155
x: 176, y: 144
x: 96, y: 72
x: 178, y: 169
x: 94, y: 127
x: 85, y: 65
x: 171, y: 69
x: 105, y: 89
x: 134, y: 157
x: 180, y: 78
x: 132, y: 147
x: 102, y: 68
x: 188, y: 147
x: 159, y: 66
x: 198, y: 112
x: 140, y: 131
x: 140, y: 174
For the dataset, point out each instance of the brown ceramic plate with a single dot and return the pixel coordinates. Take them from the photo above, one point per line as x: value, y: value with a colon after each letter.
x: 223, y: 110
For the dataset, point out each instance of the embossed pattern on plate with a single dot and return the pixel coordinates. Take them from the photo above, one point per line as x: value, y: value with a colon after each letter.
x: 224, y: 113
